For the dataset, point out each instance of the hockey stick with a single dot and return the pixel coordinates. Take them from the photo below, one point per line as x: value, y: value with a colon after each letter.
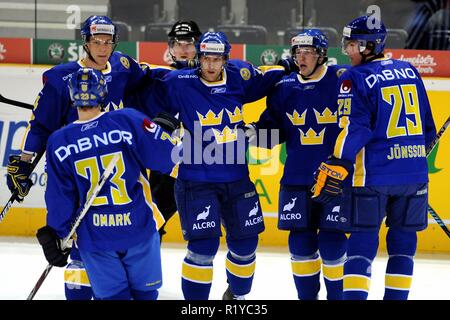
x: 83, y: 212
x: 438, y: 220
x: 16, y: 103
x: 430, y: 148
x: 438, y: 136
x: 16, y: 192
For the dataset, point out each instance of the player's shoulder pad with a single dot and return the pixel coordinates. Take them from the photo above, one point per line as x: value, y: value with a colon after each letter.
x: 338, y: 70
x: 60, y: 73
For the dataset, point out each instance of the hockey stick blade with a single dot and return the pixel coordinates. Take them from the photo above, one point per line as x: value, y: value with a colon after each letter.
x: 15, y: 193
x: 105, y: 175
x: 16, y: 103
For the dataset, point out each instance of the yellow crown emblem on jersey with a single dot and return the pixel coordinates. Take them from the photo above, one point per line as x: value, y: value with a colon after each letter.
x: 226, y: 135
x: 235, y: 116
x: 114, y: 106
x: 210, y: 119
x: 326, y: 116
x: 296, y: 118
x: 311, y: 137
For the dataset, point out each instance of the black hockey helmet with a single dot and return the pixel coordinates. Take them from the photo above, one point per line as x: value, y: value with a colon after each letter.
x: 184, y: 30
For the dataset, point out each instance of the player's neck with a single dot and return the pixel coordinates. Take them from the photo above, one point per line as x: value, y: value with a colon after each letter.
x: 91, y: 64
x: 85, y: 114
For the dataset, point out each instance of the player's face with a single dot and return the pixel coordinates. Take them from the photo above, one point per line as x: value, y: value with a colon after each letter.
x: 351, y: 49
x: 183, y: 49
x: 101, y: 47
x: 211, y: 67
x: 306, y: 58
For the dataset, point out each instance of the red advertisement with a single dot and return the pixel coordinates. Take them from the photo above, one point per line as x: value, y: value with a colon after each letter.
x: 157, y: 52
x: 15, y: 50
x: 429, y: 63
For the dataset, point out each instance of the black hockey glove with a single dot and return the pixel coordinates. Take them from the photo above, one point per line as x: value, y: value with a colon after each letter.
x: 289, y: 65
x: 18, y: 176
x: 52, y: 247
x: 167, y: 121
x: 191, y: 64
x: 329, y: 178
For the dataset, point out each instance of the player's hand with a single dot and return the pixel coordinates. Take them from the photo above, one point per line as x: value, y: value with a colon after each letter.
x: 250, y: 132
x: 52, y: 246
x: 18, y: 177
x: 167, y: 121
x: 329, y: 178
x: 289, y: 65
x: 181, y: 64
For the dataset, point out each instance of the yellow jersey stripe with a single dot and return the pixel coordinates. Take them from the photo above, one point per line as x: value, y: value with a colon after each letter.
x: 241, y: 270
x: 306, y: 268
x: 199, y: 274
x: 344, y: 122
x: 157, y: 215
x: 359, y: 176
x: 397, y: 281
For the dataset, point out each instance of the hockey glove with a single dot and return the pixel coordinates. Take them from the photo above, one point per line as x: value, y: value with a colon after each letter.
x: 329, y: 178
x: 18, y: 176
x: 167, y: 121
x: 191, y: 64
x: 52, y: 246
x: 289, y: 65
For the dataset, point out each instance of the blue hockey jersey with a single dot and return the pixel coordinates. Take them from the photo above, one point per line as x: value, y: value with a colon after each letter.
x: 214, y: 150
x: 386, y: 123
x: 123, y: 213
x: 305, y: 111
x: 52, y: 108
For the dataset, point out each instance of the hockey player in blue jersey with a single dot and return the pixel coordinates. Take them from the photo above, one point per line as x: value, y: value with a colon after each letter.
x: 213, y: 185
x: 117, y: 239
x: 52, y: 111
x: 386, y: 126
x: 304, y: 109
x: 181, y: 42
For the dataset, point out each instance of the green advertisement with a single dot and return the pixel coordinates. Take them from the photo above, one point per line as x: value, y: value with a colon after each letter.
x: 61, y: 51
x: 269, y: 55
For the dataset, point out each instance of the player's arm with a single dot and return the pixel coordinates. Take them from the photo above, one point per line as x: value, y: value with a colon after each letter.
x: 46, y: 117
x: 269, y: 127
x: 155, y: 141
x: 259, y: 81
x: 354, y: 120
x: 61, y: 198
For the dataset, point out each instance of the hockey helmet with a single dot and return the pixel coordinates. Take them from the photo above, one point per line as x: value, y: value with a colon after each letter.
x: 213, y: 43
x: 310, y: 38
x: 98, y: 25
x: 368, y: 31
x: 87, y: 88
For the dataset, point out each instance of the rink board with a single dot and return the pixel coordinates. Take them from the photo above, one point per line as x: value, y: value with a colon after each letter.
x: 23, y: 83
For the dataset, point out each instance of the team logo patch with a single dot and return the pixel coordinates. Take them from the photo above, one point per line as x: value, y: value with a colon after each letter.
x: 340, y: 72
x: 346, y: 86
x: 125, y: 62
x: 245, y: 73
x: 149, y: 126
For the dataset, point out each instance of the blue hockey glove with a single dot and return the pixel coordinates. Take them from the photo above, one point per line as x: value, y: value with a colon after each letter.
x: 329, y: 178
x: 18, y: 177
